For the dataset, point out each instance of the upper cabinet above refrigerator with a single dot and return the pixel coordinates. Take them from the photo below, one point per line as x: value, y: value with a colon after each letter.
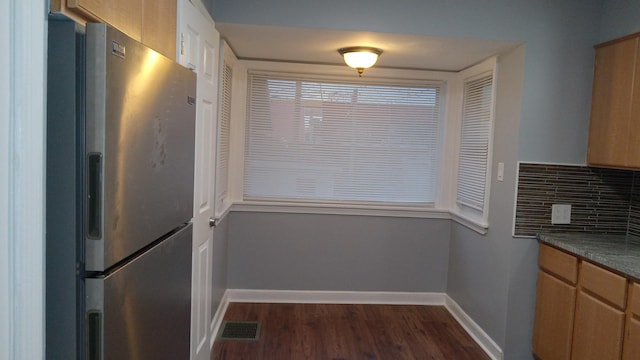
x: 152, y: 22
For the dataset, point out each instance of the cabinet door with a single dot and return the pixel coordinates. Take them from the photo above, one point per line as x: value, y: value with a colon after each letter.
x: 555, y: 304
x: 122, y: 14
x: 633, y: 149
x: 159, y: 26
x: 611, y: 103
x: 598, y: 330
x: 632, y: 340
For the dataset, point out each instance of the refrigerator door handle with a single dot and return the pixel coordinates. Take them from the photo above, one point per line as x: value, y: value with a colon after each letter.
x: 94, y: 335
x: 94, y: 196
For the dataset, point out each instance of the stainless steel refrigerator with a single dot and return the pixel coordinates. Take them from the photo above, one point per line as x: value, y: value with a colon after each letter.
x: 120, y: 163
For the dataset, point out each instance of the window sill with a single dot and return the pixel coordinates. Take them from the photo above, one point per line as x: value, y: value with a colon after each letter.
x: 473, y: 224
x: 333, y: 209
x: 223, y: 213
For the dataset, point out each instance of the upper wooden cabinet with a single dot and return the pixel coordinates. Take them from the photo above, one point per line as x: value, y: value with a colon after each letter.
x: 614, y: 133
x: 159, y: 26
x: 152, y: 22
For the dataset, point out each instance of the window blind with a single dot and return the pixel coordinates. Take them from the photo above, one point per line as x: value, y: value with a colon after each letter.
x: 222, y: 171
x: 474, y: 142
x: 321, y: 139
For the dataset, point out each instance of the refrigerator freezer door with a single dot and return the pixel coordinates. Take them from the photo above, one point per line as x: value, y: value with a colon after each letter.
x: 140, y: 131
x: 143, y: 309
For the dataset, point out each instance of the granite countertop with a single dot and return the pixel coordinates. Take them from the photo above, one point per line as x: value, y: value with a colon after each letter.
x: 612, y: 251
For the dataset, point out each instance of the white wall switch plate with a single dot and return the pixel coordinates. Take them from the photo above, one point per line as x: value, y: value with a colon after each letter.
x: 560, y: 214
x: 500, y: 171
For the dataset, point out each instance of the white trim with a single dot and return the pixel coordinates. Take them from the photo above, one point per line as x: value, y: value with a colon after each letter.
x: 226, y: 209
x: 474, y: 330
x: 551, y: 163
x: 471, y: 223
x: 6, y: 267
x: 218, y: 318
x: 335, y: 297
x: 334, y: 209
x: 22, y: 165
x: 474, y: 219
x: 515, y: 200
x: 376, y: 73
x: 365, y: 297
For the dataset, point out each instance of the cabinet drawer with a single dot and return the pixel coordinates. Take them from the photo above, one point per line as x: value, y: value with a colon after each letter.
x: 634, y: 299
x: 604, y: 283
x: 558, y: 263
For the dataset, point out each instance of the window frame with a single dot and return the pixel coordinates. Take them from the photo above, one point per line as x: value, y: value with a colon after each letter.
x: 391, y: 76
x: 475, y: 219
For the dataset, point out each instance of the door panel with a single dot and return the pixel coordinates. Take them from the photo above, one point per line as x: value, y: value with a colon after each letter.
x: 199, y: 53
x: 201, y: 310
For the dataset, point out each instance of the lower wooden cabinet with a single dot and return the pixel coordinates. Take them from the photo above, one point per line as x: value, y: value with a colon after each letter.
x: 553, y: 329
x: 632, y: 340
x: 584, y: 311
x: 632, y: 332
x: 598, y: 330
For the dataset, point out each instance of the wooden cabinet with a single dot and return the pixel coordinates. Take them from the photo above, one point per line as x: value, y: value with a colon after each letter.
x: 584, y: 311
x: 553, y: 328
x: 122, y: 14
x: 599, y: 317
x: 614, y: 133
x: 152, y: 22
x: 555, y: 304
x: 159, y: 26
x: 632, y: 332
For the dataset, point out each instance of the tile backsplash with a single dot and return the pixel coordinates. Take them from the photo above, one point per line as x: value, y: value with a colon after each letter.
x: 603, y: 201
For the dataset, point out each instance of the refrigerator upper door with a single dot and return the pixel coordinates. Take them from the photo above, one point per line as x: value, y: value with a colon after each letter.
x: 140, y: 131
x: 143, y: 309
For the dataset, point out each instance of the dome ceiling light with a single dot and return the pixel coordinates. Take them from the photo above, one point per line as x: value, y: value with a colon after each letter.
x: 360, y: 57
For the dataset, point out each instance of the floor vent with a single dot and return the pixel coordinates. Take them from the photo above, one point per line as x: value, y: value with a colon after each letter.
x: 240, y: 330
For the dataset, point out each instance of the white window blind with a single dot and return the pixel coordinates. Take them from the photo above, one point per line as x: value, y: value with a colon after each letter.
x: 311, y: 138
x: 474, y: 142
x: 222, y: 171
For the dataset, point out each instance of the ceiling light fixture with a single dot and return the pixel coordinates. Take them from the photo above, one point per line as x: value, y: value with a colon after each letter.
x: 360, y: 57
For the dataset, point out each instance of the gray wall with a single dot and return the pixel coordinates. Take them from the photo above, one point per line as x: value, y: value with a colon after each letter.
x: 336, y: 252
x: 619, y: 18
x: 481, y: 267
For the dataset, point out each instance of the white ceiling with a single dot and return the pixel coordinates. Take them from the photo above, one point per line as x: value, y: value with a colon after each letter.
x: 321, y: 45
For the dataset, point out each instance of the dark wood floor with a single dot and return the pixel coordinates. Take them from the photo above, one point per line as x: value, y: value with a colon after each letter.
x: 332, y: 332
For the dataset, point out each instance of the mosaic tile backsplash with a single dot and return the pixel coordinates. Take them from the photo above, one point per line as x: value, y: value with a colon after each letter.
x: 605, y: 201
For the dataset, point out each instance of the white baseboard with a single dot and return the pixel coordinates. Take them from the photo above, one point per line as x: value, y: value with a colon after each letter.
x: 335, y: 297
x: 218, y: 317
x: 474, y: 330
x: 361, y: 297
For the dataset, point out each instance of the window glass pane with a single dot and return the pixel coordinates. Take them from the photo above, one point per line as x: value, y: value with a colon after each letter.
x: 474, y: 142
x: 326, y: 140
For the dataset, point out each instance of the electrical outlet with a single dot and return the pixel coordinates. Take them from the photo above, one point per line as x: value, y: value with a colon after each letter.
x: 560, y: 214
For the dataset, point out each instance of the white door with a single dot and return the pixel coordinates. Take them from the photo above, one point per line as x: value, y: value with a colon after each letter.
x: 198, y: 50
